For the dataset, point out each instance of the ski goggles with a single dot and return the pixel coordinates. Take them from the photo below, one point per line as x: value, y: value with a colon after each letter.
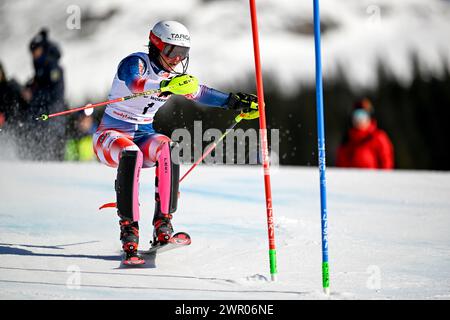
x: 172, y: 51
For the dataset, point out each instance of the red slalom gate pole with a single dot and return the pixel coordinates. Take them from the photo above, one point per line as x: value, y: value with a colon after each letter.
x: 264, y: 144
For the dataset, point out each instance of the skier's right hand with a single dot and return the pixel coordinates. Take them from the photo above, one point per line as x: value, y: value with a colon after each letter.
x: 246, y: 103
x: 182, y: 84
x: 242, y: 101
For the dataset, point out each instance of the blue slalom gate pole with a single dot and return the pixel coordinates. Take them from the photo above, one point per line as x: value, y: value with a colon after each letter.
x: 321, y: 149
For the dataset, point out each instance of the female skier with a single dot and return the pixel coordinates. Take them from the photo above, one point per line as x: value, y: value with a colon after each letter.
x: 126, y: 139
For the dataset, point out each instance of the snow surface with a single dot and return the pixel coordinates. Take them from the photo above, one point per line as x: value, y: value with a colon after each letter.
x: 357, y: 35
x: 389, y: 235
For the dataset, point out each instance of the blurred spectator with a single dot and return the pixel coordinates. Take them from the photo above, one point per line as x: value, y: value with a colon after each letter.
x: 79, y: 147
x: 365, y: 145
x: 12, y: 105
x: 45, y: 93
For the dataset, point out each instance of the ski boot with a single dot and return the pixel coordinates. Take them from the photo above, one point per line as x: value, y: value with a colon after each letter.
x: 129, y: 235
x: 167, y: 176
x: 163, y: 229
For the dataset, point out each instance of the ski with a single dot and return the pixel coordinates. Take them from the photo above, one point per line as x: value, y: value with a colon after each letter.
x: 132, y: 260
x: 178, y: 240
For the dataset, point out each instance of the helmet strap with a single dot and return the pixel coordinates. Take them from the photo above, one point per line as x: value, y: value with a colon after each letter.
x: 184, y: 63
x: 155, y: 55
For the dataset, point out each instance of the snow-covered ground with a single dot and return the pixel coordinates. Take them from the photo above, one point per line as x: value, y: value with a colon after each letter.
x: 389, y: 235
x: 357, y: 34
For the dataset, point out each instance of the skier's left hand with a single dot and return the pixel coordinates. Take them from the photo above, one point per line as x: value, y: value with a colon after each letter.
x: 246, y: 103
x: 182, y: 84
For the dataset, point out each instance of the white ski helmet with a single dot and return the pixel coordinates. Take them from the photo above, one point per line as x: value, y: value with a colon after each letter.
x: 171, y: 32
x: 171, y: 39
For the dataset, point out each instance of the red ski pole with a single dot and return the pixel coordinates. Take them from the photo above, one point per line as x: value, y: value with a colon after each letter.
x: 45, y: 117
x: 182, y: 80
x: 212, y: 147
x: 264, y: 146
x: 237, y: 119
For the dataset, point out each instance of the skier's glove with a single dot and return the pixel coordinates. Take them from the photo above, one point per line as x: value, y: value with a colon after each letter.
x: 182, y: 84
x: 246, y: 103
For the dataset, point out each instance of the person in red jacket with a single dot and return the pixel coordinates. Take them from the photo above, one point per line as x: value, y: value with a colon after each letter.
x: 365, y: 145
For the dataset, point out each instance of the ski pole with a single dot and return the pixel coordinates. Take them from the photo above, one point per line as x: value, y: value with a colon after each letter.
x: 45, y: 117
x: 321, y: 150
x: 181, y: 81
x: 237, y: 119
x: 264, y: 144
x: 212, y: 146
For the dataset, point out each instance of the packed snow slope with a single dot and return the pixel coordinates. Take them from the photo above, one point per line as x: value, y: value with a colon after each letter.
x: 389, y: 235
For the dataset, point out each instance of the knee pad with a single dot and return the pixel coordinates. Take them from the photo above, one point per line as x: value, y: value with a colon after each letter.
x: 127, y: 184
x: 167, y: 179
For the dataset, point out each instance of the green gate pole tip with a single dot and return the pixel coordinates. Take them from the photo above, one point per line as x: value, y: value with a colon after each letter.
x: 326, y: 278
x: 273, y: 264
